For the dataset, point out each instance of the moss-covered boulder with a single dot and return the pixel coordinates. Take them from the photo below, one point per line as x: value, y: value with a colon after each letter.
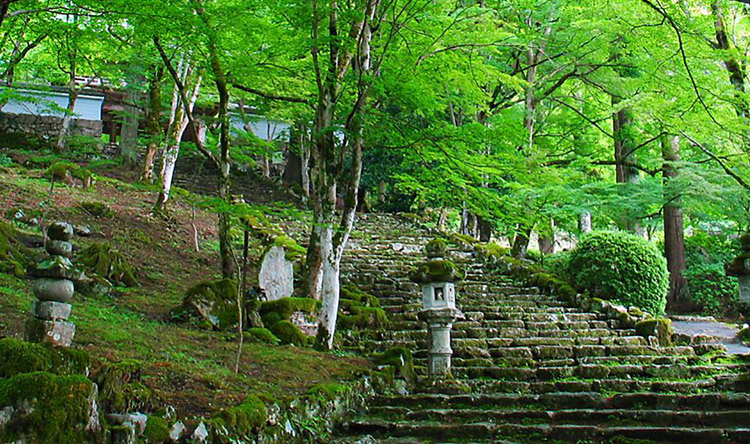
x: 44, y: 408
x: 660, y: 328
x: 67, y: 172
x: 359, y: 310
x: 282, y: 309
x: 27, y: 357
x: 401, y: 360
x: 13, y: 258
x: 121, y: 388
x: 261, y: 336
x: 249, y: 416
x: 157, y: 430
x: 96, y: 209
x: 289, y: 333
x: 210, y: 304
x: 108, y: 263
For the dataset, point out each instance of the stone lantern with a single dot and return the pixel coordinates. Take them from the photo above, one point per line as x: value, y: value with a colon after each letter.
x: 740, y: 267
x: 437, y: 276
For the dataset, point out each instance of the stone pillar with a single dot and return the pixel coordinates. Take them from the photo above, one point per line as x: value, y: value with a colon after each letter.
x: 439, y: 324
x: 53, y: 288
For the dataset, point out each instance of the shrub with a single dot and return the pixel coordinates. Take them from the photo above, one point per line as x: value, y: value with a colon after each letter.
x: 703, y: 248
x: 282, y: 309
x: 621, y: 266
x: 558, y: 263
x: 711, y: 289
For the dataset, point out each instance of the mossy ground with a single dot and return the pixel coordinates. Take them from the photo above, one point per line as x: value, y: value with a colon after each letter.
x: 183, y: 366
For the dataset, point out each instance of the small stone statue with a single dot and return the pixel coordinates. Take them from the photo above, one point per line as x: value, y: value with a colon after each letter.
x: 53, y: 287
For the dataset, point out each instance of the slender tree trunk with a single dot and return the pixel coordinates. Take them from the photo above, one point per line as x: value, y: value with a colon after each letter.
x: 69, y: 110
x: 129, y: 134
x: 547, y: 241
x: 153, y: 125
x: 169, y: 160
x: 584, y: 222
x: 674, y: 241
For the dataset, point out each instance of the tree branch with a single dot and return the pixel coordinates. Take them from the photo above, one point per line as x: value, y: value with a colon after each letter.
x: 270, y: 96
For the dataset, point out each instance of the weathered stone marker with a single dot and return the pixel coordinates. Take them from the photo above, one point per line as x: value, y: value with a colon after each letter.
x: 437, y: 276
x: 276, y: 276
x: 53, y: 287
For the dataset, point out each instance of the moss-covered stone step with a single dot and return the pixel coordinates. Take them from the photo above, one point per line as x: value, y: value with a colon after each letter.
x: 592, y: 372
x: 564, y: 432
x: 582, y: 400
x: 601, y: 386
x: 601, y: 417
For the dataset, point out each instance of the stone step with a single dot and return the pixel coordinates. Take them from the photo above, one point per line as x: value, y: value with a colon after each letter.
x: 531, y: 414
x: 560, y: 432
x: 491, y: 333
x: 602, y: 386
x: 591, y: 372
x: 582, y: 400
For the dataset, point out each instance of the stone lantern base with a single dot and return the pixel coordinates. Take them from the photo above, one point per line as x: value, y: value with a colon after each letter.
x: 439, y: 324
x: 57, y: 333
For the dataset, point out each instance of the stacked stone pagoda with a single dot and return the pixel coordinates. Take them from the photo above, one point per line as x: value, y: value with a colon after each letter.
x: 53, y: 288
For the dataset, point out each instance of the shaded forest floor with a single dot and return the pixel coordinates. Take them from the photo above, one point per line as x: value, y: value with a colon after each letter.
x: 185, y: 367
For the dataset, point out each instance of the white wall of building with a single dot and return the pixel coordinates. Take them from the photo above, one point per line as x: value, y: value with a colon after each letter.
x: 51, y: 103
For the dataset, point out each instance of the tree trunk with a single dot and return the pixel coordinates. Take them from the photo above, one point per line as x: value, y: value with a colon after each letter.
x: 547, y: 241
x: 584, y: 222
x: 129, y: 134
x: 625, y: 157
x: 169, y: 160
x: 734, y: 67
x: 4, y: 6
x: 69, y: 111
x: 674, y: 241
x: 484, y: 229
x: 521, y: 242
x: 153, y: 125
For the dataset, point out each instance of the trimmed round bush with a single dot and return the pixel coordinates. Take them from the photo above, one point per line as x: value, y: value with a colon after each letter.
x: 712, y: 290
x: 621, y: 266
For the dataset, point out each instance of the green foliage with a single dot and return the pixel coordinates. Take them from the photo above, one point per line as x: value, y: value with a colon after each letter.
x: 26, y: 357
x: 711, y: 289
x: 251, y: 415
x: 293, y: 251
x: 288, y: 333
x: 108, y: 263
x: 56, y: 408
x: 261, y: 336
x: 558, y: 263
x: 621, y: 266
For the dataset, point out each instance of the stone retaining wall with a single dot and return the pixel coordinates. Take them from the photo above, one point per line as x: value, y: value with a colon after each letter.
x: 47, y: 127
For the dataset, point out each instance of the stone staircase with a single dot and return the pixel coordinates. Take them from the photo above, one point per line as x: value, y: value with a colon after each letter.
x: 530, y: 369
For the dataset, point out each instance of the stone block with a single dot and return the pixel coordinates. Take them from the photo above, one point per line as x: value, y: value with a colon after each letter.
x: 58, y: 290
x: 276, y: 276
x: 59, y: 248
x: 51, y: 310
x: 57, y: 333
x: 60, y: 231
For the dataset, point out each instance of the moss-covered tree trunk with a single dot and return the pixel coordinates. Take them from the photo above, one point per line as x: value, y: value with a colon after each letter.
x: 154, y: 130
